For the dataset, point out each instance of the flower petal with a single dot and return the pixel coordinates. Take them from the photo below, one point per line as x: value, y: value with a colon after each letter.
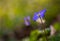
x: 27, y: 20
x: 41, y: 13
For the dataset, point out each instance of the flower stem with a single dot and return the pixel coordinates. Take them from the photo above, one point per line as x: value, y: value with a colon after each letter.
x: 44, y: 28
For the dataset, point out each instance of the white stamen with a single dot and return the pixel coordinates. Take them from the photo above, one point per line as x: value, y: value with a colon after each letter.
x: 40, y: 20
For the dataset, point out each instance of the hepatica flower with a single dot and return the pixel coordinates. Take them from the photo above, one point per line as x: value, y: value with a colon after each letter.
x: 38, y: 16
x: 27, y: 20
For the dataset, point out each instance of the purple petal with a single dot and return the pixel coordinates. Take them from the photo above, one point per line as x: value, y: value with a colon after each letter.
x: 27, y: 21
x: 28, y: 17
x: 41, y: 13
x: 35, y: 17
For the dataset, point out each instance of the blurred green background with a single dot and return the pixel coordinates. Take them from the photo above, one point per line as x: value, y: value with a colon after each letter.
x: 12, y: 12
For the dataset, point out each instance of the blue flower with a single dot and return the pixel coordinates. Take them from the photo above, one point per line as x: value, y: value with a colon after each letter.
x: 27, y: 20
x: 39, y: 14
